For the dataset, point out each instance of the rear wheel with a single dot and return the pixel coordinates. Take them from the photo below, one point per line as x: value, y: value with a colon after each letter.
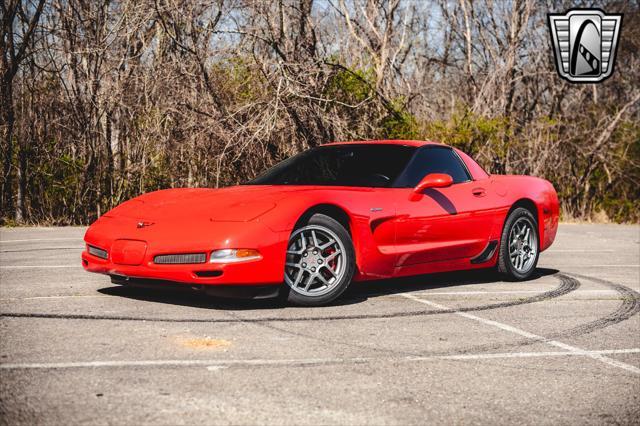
x: 519, y: 247
x: 320, y: 262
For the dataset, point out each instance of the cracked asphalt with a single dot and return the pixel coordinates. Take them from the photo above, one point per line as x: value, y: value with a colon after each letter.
x: 464, y: 348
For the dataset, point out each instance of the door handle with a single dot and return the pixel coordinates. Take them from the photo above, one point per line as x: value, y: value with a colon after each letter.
x: 479, y: 192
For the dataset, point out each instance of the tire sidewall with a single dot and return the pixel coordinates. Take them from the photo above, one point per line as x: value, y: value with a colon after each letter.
x: 504, y: 261
x: 345, y: 239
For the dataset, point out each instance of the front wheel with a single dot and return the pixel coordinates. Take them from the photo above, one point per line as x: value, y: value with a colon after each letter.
x: 519, y: 247
x: 320, y: 262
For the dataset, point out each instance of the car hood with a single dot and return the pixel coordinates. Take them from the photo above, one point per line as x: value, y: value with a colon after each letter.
x: 232, y: 204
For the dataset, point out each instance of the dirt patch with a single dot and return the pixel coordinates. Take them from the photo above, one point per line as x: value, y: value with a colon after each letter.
x: 203, y: 343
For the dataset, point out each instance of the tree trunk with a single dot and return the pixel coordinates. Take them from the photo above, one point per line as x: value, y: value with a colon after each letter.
x: 8, y: 121
x: 22, y: 184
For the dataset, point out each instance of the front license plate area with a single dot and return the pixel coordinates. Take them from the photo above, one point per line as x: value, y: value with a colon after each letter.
x: 128, y: 252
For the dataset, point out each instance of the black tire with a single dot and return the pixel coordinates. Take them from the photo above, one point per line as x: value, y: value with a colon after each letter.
x: 339, y: 285
x: 519, y: 216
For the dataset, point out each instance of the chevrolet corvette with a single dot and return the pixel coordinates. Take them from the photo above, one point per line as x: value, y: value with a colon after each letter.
x: 339, y: 213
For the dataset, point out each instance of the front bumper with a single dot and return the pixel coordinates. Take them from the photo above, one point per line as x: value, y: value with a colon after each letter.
x: 223, y: 291
x: 159, y: 239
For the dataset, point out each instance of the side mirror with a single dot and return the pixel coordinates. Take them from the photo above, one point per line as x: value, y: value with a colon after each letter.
x: 433, y: 180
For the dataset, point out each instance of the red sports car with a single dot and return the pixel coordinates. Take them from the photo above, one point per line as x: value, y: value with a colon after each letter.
x: 341, y: 212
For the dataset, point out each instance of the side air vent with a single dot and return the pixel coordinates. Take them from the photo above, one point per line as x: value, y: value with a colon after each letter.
x: 97, y: 252
x: 178, y: 259
x: 487, y: 253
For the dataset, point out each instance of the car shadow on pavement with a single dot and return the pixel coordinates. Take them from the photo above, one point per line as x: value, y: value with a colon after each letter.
x: 371, y: 289
x: 357, y: 293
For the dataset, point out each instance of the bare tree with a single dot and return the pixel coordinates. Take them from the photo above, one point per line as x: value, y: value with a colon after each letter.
x: 102, y: 101
x: 19, y: 22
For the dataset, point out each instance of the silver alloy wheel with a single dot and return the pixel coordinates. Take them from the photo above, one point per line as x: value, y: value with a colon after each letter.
x: 315, y: 261
x: 523, y: 245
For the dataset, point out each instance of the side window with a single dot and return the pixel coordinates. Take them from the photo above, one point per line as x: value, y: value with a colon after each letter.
x: 432, y: 160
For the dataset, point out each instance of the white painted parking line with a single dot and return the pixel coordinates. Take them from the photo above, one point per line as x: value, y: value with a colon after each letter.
x: 596, y: 266
x: 480, y: 292
x: 70, y: 296
x: 514, y: 330
x: 537, y: 354
x: 42, y: 239
x: 39, y: 266
x: 216, y: 364
x: 177, y: 363
x: 579, y: 251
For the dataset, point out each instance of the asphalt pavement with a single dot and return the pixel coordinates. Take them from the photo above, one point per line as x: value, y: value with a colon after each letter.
x: 463, y: 348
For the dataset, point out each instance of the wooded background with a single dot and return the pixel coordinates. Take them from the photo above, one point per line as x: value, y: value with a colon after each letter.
x: 102, y: 100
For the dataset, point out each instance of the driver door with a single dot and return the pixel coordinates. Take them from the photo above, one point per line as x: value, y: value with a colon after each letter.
x: 441, y: 224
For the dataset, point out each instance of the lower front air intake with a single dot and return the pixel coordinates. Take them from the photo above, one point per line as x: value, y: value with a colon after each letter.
x: 184, y: 258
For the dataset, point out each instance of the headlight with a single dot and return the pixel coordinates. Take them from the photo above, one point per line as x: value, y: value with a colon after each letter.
x: 234, y: 255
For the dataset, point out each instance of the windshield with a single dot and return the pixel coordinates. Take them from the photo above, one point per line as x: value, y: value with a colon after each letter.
x: 341, y: 165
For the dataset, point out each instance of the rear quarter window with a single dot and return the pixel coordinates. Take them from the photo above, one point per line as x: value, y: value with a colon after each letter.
x: 477, y: 172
